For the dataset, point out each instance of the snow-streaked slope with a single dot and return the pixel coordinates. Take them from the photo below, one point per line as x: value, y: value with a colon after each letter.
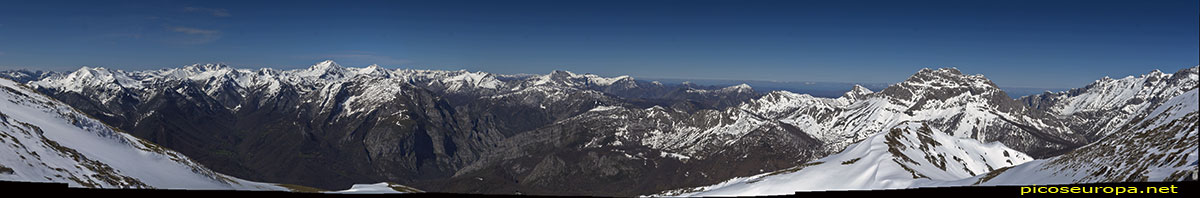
x: 1161, y: 147
x: 909, y: 153
x: 43, y: 140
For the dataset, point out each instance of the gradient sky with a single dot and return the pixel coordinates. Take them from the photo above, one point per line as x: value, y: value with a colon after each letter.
x: 1049, y: 44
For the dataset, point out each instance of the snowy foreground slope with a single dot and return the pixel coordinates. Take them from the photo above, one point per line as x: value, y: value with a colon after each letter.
x: 47, y: 141
x: 1161, y: 146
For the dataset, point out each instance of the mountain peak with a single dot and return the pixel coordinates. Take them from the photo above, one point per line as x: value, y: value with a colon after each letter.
x: 947, y: 77
x: 738, y: 88
x: 324, y: 69
x: 940, y: 83
x: 325, y: 65
x: 860, y: 89
x: 86, y: 71
x: 857, y: 92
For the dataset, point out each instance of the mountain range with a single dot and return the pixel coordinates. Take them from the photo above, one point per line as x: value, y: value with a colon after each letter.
x: 563, y: 133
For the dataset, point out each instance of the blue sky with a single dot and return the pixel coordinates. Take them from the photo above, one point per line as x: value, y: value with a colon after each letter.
x: 1050, y: 44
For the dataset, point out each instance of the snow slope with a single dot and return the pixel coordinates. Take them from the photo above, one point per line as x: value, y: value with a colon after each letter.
x: 43, y: 140
x: 908, y: 153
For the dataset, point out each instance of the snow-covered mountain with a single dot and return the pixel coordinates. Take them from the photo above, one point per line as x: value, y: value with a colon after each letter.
x: 47, y: 141
x: 1157, y: 142
x: 967, y: 106
x: 900, y: 157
